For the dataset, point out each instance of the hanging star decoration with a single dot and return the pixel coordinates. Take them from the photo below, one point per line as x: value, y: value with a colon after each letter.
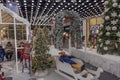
x: 118, y: 34
x: 114, y: 14
x: 114, y: 22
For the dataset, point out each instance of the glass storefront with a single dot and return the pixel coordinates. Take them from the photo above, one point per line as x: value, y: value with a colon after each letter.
x: 93, y: 25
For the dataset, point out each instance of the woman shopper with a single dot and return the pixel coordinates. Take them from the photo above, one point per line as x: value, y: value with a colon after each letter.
x: 9, y: 51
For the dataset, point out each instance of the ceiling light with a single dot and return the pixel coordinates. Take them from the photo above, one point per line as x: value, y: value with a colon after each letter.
x: 8, y: 1
x: 73, y: 0
x: 16, y: 0
x: 79, y: 0
x: 102, y: 1
x: 65, y: 6
x: 82, y: 3
x: 38, y: 6
x: 48, y: 0
x: 54, y: 4
x: 72, y: 6
x: 61, y: 3
x: 25, y: 4
x: 75, y: 3
x: 64, y: 1
x: 58, y: 6
x: 32, y: 0
x: 10, y: 4
x: 79, y: 6
x: 87, y: 1
x: 40, y: 1
x: 69, y: 8
x: 47, y: 3
x: 95, y: 1
x: 24, y: 0
x: 68, y: 3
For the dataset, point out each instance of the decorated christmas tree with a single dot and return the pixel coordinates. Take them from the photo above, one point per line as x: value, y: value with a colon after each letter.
x: 42, y: 59
x: 109, y: 35
x: 47, y: 36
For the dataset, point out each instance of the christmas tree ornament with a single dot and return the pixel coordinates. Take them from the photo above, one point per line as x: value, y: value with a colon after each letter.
x: 108, y: 28
x: 100, y: 40
x: 107, y: 17
x: 107, y: 42
x: 107, y: 33
x: 115, y: 4
x: 114, y: 0
x: 114, y: 28
x: 105, y: 48
x: 106, y: 2
x: 119, y: 15
x: 118, y: 34
x: 114, y: 14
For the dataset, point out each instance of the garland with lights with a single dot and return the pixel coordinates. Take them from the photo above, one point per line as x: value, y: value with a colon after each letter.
x: 109, y: 35
x: 73, y: 20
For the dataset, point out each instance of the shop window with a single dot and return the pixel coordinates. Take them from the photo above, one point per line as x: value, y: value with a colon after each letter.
x: 99, y: 20
x: 92, y: 21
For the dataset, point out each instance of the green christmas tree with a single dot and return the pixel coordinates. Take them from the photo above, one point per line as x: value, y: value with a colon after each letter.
x: 46, y: 32
x: 42, y: 59
x: 109, y: 35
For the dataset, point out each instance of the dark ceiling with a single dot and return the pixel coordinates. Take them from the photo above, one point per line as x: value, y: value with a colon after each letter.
x: 40, y: 11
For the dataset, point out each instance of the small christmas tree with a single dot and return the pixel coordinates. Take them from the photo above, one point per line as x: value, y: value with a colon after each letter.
x: 109, y: 35
x: 42, y: 59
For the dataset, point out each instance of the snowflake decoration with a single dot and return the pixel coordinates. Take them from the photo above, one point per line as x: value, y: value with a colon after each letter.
x: 118, y: 34
x: 114, y: 14
x: 114, y: 22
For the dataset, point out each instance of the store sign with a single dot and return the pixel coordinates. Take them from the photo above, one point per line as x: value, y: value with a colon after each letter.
x: 13, y: 6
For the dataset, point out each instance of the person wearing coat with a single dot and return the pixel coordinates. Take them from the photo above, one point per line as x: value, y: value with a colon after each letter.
x: 2, y: 53
x: 9, y: 51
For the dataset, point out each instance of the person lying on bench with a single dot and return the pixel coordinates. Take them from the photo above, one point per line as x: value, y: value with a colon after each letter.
x: 68, y: 59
